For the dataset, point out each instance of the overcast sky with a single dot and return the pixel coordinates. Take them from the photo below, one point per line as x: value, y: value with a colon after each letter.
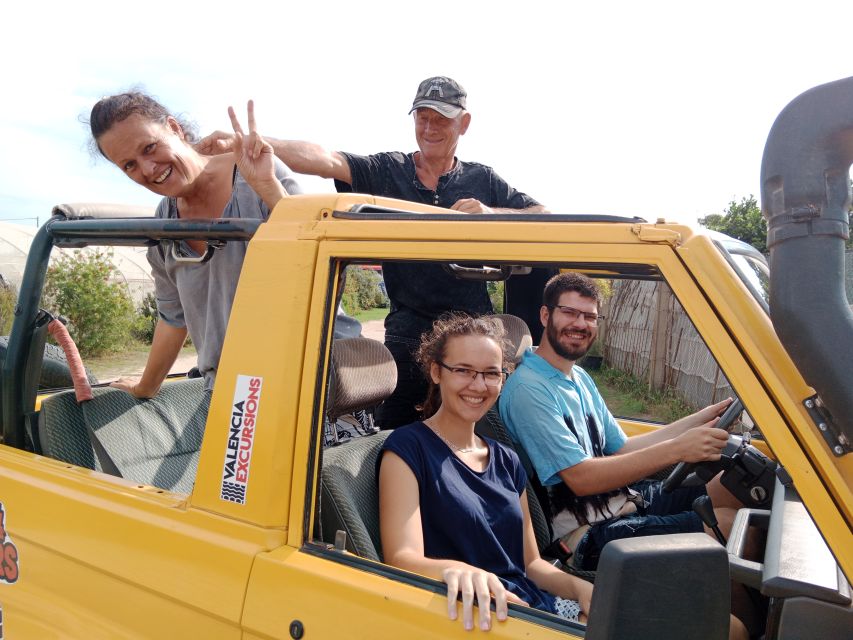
x: 657, y: 109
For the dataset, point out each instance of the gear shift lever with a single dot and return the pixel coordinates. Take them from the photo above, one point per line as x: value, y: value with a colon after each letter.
x: 703, y: 507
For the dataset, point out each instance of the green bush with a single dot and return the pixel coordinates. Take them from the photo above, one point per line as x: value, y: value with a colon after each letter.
x: 145, y: 319
x: 99, y: 310
x: 496, y: 294
x: 362, y: 291
x: 8, y: 298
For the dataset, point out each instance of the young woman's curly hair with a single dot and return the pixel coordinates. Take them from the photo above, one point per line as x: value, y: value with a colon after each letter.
x: 433, y: 347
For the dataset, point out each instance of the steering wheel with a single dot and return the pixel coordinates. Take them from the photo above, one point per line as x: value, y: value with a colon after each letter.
x: 684, y: 469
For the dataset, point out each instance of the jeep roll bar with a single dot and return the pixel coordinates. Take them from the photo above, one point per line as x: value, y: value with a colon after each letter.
x: 23, y: 362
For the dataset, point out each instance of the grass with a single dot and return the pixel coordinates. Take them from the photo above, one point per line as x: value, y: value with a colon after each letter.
x: 131, y: 361
x: 377, y: 313
x: 630, y: 397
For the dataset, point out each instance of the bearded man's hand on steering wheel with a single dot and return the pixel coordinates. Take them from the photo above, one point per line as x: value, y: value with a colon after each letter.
x: 719, y: 435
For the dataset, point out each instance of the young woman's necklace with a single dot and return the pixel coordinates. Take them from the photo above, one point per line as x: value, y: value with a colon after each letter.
x: 452, y: 446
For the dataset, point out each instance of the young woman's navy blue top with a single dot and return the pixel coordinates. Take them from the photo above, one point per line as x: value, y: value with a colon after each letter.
x: 469, y: 516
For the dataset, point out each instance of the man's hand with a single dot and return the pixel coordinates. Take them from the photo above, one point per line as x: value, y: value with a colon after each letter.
x: 701, y: 444
x: 710, y: 412
x: 215, y: 144
x: 471, y: 205
x: 133, y: 386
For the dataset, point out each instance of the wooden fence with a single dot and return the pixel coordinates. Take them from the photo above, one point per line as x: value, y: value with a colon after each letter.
x: 648, y: 334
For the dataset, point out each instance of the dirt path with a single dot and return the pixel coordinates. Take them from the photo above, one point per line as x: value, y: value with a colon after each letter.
x: 132, y: 362
x: 374, y: 329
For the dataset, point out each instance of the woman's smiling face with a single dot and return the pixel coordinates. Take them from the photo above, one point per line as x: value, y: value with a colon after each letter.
x: 152, y: 154
x: 465, y: 396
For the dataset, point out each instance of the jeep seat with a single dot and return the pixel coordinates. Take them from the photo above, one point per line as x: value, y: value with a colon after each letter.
x: 517, y: 334
x: 154, y: 442
x: 350, y: 494
x: 363, y: 373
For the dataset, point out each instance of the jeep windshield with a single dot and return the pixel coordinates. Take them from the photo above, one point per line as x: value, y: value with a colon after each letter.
x: 749, y: 264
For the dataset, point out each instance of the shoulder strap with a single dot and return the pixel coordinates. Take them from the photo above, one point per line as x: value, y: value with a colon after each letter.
x: 106, y: 462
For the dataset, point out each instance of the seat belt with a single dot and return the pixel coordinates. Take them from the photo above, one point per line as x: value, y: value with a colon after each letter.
x: 82, y: 390
x: 107, y: 464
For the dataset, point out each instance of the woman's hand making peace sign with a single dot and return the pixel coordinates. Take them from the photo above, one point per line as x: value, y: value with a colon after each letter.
x: 255, y: 159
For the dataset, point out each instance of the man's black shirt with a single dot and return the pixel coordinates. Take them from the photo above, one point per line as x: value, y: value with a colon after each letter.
x: 421, y: 292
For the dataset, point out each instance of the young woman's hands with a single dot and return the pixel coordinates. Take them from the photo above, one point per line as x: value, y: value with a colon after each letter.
x: 583, y: 594
x: 475, y: 584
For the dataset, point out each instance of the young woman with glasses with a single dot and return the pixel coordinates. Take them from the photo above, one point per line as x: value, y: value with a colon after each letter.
x: 452, y: 504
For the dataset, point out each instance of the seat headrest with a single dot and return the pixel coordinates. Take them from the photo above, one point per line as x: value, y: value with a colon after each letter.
x: 518, y: 335
x: 363, y: 375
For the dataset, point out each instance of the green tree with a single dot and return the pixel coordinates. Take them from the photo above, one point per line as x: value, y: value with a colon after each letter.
x: 741, y: 220
x: 496, y: 294
x: 362, y: 290
x: 82, y: 288
x: 145, y: 319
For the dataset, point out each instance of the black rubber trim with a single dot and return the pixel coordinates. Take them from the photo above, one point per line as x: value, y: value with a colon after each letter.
x: 314, y: 466
x: 373, y: 212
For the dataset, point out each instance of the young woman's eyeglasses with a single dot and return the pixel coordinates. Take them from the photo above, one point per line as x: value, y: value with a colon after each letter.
x: 573, y: 314
x: 491, y: 378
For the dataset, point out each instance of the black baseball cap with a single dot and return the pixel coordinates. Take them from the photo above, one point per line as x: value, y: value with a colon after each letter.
x: 441, y: 94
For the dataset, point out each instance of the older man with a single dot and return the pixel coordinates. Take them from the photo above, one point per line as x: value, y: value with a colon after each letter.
x: 419, y: 292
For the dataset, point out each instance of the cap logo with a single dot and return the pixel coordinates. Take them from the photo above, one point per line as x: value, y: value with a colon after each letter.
x: 435, y: 86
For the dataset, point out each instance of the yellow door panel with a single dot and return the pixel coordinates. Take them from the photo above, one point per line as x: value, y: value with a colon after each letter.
x: 122, y: 561
x: 332, y: 600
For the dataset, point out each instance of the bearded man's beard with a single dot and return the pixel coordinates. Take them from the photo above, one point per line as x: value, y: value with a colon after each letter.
x: 569, y: 353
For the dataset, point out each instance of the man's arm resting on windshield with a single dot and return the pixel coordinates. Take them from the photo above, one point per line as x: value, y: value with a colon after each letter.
x: 472, y: 205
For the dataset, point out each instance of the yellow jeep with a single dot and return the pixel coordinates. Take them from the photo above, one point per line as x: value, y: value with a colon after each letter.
x: 166, y: 518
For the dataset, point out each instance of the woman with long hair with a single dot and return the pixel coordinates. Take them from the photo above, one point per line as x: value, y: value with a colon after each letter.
x: 453, y: 504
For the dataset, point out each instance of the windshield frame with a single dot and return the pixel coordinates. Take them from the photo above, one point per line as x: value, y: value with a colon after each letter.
x: 735, y: 252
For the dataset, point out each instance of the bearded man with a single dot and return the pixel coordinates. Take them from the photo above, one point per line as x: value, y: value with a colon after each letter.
x: 592, y: 472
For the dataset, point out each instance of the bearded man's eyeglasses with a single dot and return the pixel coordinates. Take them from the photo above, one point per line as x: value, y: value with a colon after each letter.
x: 573, y: 314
